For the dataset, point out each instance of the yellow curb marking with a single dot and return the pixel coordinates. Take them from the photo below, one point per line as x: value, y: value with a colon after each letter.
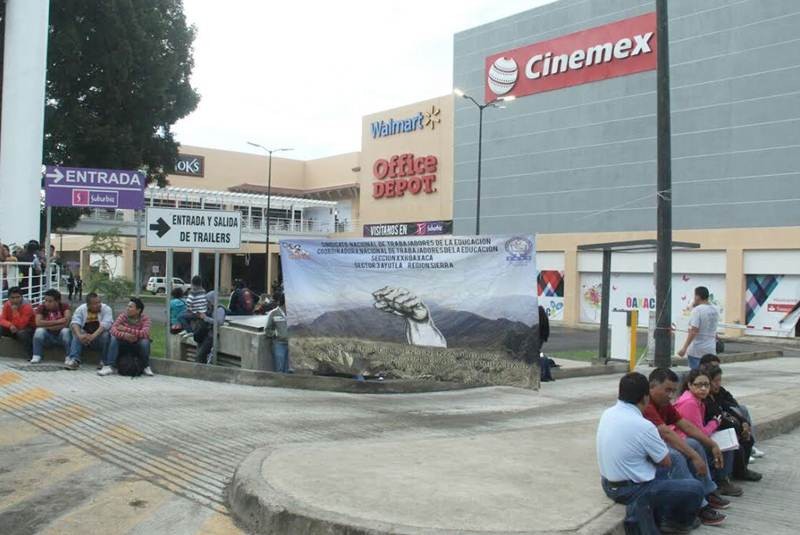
x: 25, y: 398
x: 8, y: 378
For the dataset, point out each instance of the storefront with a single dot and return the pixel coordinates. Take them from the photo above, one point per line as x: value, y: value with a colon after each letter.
x: 573, y: 157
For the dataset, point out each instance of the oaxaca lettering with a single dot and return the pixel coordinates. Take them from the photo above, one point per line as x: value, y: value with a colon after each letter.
x: 404, y: 173
x: 394, y: 126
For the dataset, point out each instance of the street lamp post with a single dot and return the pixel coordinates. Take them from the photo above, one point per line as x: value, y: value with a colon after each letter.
x: 269, y: 199
x: 481, y: 107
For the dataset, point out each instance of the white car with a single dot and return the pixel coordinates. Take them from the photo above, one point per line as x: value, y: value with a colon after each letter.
x: 158, y: 285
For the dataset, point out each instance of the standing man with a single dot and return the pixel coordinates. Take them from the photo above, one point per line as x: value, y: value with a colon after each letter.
x: 52, y: 319
x: 130, y: 332
x: 79, y: 287
x: 690, y: 459
x: 90, y: 327
x: 278, y: 330
x: 71, y: 285
x: 702, y: 339
x: 634, y: 464
x: 17, y: 320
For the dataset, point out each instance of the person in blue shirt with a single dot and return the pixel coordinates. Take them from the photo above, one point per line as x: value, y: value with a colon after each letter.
x: 634, y: 464
x: 177, y: 307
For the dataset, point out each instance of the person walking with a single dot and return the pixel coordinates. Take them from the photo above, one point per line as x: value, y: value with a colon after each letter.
x: 71, y: 285
x: 278, y: 331
x: 79, y: 287
x: 702, y: 339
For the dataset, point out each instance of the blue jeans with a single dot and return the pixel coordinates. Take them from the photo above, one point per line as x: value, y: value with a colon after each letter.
x: 694, y: 362
x: 658, y: 501
x: 683, y: 469
x: 280, y: 356
x: 721, y: 473
x: 100, y: 343
x: 115, y: 345
x: 43, y: 338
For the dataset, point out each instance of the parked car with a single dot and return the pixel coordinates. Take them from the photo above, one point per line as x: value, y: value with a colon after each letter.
x: 158, y: 285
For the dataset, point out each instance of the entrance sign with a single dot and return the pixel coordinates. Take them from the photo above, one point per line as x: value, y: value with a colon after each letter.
x: 194, y: 229
x: 624, y: 47
x: 94, y: 188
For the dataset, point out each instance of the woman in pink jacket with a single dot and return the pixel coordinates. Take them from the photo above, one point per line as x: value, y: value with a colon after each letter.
x: 696, y: 387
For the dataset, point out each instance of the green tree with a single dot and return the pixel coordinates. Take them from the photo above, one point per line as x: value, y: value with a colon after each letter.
x: 108, y: 246
x: 117, y: 80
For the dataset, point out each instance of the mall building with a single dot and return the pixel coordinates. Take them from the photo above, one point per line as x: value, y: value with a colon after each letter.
x: 571, y: 160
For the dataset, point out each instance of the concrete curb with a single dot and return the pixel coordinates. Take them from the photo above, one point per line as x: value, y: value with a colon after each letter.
x: 221, y: 374
x: 262, y: 509
x: 589, y: 371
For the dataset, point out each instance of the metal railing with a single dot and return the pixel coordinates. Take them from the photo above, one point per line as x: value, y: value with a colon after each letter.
x: 31, y: 278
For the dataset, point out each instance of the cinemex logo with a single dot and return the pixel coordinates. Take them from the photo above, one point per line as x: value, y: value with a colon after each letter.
x: 624, y: 47
x: 424, y: 119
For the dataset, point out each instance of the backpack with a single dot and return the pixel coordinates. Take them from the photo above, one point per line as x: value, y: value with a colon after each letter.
x: 130, y: 364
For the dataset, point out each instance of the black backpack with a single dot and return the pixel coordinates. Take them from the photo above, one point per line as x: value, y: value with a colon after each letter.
x: 130, y: 364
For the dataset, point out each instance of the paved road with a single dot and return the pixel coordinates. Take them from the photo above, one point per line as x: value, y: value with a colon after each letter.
x: 83, y: 454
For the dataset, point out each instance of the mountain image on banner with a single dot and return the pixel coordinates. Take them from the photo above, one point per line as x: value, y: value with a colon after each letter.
x: 460, y: 328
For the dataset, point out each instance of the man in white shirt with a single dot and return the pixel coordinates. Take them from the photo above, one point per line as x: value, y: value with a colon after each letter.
x: 634, y: 464
x: 702, y: 339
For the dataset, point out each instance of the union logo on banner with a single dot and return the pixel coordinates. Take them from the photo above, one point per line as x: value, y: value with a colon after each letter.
x: 80, y: 197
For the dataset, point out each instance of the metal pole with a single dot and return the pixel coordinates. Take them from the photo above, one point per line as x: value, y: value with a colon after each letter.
x: 480, y: 143
x: 266, y: 218
x: 168, y: 349
x: 663, y: 335
x: 605, y: 305
x: 215, y: 327
x: 46, y: 270
x: 138, y: 268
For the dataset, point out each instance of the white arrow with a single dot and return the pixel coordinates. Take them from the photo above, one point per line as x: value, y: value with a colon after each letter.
x: 56, y: 174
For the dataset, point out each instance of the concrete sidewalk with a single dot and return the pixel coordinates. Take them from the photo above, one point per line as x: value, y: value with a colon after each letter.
x: 540, y: 477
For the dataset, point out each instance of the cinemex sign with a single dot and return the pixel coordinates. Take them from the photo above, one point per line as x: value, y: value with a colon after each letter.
x: 618, y: 49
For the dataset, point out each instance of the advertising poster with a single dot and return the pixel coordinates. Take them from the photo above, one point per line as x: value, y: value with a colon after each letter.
x: 444, y: 307
x: 770, y: 302
x: 637, y: 291
x: 551, y: 293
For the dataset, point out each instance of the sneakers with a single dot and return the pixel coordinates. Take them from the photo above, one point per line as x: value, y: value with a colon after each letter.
x: 710, y: 517
x: 672, y: 528
x: 749, y: 475
x: 717, y: 502
x: 71, y: 364
x: 106, y: 370
x: 36, y: 359
x: 727, y: 488
x: 757, y: 453
x: 148, y: 372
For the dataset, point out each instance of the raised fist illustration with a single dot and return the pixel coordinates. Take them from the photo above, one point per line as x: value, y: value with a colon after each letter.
x: 420, y: 328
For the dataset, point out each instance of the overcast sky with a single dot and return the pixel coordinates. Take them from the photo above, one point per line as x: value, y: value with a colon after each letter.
x: 302, y: 73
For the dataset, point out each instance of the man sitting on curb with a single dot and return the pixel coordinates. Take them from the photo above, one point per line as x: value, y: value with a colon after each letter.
x: 90, y: 329
x: 130, y: 332
x: 52, y: 320
x: 634, y: 463
x: 663, y: 387
x: 204, y: 334
x: 17, y: 320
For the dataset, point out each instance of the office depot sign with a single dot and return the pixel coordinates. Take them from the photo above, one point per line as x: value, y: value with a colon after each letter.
x: 404, y: 173
x: 618, y: 49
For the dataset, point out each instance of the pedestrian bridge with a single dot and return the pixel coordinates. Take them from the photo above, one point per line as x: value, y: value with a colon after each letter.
x: 288, y: 216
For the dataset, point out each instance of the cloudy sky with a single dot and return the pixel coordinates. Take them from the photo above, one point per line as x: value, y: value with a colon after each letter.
x: 302, y: 73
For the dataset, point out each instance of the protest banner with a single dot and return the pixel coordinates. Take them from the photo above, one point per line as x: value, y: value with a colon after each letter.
x: 446, y: 307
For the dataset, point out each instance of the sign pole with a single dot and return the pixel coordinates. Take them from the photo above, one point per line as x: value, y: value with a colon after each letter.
x: 48, y: 224
x: 138, y: 268
x: 215, y: 332
x: 168, y: 291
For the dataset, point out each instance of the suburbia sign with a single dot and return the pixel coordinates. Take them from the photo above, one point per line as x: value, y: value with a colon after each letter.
x: 404, y: 173
x: 618, y: 49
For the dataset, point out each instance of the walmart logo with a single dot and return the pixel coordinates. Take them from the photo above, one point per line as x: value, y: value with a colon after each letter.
x: 427, y: 119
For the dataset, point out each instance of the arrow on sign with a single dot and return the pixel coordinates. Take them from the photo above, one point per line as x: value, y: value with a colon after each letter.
x: 55, y: 174
x: 160, y: 227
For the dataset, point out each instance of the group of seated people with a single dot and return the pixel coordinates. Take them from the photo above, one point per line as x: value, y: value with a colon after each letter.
x: 52, y: 323
x: 658, y: 455
x: 191, y: 315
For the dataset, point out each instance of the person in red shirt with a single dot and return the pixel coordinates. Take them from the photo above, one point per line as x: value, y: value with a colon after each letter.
x: 52, y: 320
x: 130, y: 332
x: 690, y: 451
x: 17, y: 320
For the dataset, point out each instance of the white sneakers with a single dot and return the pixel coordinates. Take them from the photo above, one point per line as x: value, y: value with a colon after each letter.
x: 71, y: 364
x: 106, y: 370
x: 148, y: 372
x: 36, y: 359
x: 757, y: 453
